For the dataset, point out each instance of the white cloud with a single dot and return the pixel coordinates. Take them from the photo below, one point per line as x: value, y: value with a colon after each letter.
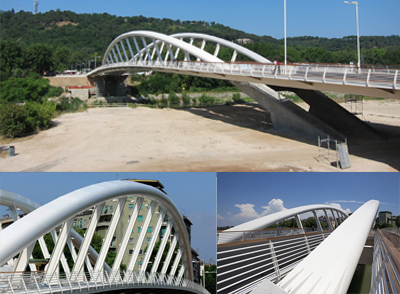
x: 248, y: 213
x: 275, y: 205
x: 337, y: 205
x: 220, y: 217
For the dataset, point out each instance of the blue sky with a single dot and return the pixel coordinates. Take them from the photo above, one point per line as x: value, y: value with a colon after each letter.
x: 244, y: 196
x: 194, y: 194
x: 322, y: 18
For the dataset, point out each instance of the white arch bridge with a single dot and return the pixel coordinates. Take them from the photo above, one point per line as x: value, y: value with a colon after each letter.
x: 256, y: 260
x: 185, y: 53
x: 171, y: 273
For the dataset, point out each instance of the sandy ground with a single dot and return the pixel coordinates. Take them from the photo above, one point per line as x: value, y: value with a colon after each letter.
x: 214, y: 139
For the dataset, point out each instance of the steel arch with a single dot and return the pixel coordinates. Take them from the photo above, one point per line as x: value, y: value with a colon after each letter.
x: 14, y: 201
x: 268, y: 220
x: 31, y: 227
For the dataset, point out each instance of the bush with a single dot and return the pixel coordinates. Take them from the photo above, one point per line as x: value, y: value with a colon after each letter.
x: 205, y: 99
x: 185, y: 99
x: 237, y: 99
x: 39, y: 115
x: 12, y: 120
x: 53, y: 92
x: 173, y: 98
x: 71, y: 105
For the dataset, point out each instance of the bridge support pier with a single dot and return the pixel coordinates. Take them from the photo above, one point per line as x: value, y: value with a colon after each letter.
x: 111, y: 87
x: 287, y: 116
x: 334, y: 115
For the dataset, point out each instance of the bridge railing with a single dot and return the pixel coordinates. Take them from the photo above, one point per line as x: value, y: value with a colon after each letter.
x: 224, y: 236
x: 243, y: 266
x: 39, y: 282
x: 386, y: 264
x: 382, y: 77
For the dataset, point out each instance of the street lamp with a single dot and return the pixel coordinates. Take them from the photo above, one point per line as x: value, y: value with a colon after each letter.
x: 358, y: 31
x: 284, y: 8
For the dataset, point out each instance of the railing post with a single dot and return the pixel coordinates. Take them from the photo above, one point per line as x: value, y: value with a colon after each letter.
x: 274, y: 261
x: 323, y: 77
x: 395, y: 79
x: 344, y: 76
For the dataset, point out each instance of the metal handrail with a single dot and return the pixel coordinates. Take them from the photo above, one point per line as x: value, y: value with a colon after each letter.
x: 385, y: 268
x: 368, y: 76
x: 246, y: 265
x: 39, y: 282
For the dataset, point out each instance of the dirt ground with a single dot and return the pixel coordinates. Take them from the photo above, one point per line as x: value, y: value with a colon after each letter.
x: 220, y: 138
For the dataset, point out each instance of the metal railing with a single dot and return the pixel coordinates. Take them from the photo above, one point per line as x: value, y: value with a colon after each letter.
x: 386, y: 266
x: 39, y: 282
x: 380, y: 77
x: 243, y: 266
x: 222, y: 237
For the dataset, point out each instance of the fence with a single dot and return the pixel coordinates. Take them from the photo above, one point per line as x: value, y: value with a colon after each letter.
x: 39, y: 282
x: 244, y: 265
x: 386, y: 264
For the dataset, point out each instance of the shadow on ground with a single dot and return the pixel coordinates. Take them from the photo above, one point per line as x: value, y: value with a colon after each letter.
x: 252, y: 116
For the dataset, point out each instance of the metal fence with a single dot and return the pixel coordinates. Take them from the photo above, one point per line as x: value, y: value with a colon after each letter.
x: 368, y: 76
x: 386, y: 266
x: 39, y: 282
x: 244, y: 265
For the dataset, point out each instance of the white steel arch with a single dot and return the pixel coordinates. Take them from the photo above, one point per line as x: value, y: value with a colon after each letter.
x: 331, y: 266
x: 235, y: 233
x: 16, y: 202
x: 28, y: 229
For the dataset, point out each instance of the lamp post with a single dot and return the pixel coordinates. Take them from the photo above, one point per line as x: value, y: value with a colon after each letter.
x: 358, y: 31
x: 284, y: 8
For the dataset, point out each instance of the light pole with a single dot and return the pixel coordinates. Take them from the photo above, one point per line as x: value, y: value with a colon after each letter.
x: 284, y: 8
x: 358, y: 32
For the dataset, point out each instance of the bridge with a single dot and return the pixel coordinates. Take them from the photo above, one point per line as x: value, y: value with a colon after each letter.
x: 255, y: 260
x: 164, y: 268
x: 259, y: 78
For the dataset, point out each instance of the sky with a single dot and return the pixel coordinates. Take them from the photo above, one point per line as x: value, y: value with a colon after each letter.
x: 246, y: 196
x: 320, y: 18
x: 194, y: 194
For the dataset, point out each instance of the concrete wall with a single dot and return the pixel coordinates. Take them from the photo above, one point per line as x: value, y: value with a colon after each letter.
x: 64, y: 81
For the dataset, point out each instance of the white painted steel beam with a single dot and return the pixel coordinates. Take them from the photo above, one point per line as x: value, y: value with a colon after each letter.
x: 154, y: 238
x: 110, y: 232
x: 268, y: 220
x: 176, y: 262
x: 169, y: 254
x: 82, y: 254
x: 142, y: 236
x: 161, y: 248
x: 127, y: 234
x: 331, y: 266
x: 40, y: 221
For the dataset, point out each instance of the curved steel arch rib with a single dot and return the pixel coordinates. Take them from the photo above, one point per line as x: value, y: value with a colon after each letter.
x: 252, y: 55
x: 61, y: 211
x: 331, y: 266
x: 26, y: 205
x: 265, y: 221
x: 160, y: 38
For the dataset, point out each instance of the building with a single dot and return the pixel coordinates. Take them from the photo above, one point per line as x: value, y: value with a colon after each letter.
x: 386, y: 217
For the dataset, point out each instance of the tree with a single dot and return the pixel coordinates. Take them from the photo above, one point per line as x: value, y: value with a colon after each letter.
x: 39, y: 57
x: 62, y: 57
x: 10, y: 58
x: 210, y: 278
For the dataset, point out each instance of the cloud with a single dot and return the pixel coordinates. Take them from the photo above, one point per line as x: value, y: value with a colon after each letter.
x: 337, y: 205
x: 248, y: 213
x: 275, y: 205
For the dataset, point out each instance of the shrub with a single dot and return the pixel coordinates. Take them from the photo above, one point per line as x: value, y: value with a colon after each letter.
x: 205, y: 99
x: 185, y: 99
x: 237, y: 99
x: 12, y: 120
x: 173, y: 98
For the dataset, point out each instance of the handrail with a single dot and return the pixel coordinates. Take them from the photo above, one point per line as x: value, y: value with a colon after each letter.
x: 306, y: 72
x: 34, y: 282
x: 386, y: 264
